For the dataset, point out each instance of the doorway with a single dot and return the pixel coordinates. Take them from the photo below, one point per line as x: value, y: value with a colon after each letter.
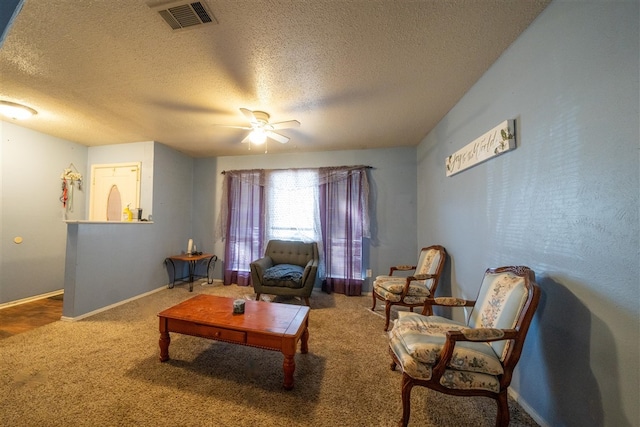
x: 113, y: 187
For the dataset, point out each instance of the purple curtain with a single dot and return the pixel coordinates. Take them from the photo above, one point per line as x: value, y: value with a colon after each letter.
x: 342, y: 217
x: 245, y: 224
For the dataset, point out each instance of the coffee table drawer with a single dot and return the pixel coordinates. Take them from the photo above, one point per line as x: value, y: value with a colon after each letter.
x: 207, y: 331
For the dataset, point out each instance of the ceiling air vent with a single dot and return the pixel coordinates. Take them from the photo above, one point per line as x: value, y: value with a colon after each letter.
x: 182, y: 15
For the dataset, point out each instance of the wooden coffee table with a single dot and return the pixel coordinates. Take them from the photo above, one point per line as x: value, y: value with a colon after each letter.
x: 267, y: 325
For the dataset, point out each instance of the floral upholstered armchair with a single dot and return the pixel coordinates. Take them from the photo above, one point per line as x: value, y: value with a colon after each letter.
x: 475, y: 358
x: 413, y: 290
x: 288, y: 268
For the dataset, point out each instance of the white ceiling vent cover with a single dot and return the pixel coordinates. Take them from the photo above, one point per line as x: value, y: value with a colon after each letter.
x: 181, y: 15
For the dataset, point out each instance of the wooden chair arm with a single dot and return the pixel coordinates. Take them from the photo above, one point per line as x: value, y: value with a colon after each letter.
x: 410, y: 279
x: 401, y: 268
x: 482, y: 334
x: 468, y: 334
x: 445, y: 302
x: 421, y: 277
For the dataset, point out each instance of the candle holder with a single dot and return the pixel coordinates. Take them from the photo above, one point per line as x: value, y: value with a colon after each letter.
x: 238, y: 306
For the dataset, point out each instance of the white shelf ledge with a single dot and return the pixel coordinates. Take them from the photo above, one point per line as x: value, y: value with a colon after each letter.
x: 75, y: 221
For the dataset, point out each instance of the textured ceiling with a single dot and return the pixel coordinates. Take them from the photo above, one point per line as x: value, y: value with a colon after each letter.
x: 355, y: 73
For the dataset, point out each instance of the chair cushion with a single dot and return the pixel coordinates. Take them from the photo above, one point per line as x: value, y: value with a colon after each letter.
x: 287, y: 275
x: 455, y: 379
x: 465, y: 380
x: 424, y: 337
x: 390, y: 288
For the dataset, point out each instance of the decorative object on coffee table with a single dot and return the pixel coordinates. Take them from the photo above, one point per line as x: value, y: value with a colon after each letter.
x: 238, y: 306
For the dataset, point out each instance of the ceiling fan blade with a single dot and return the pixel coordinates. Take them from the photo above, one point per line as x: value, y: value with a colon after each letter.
x: 280, y: 138
x: 285, y: 125
x: 233, y: 127
x: 246, y: 138
x: 248, y: 114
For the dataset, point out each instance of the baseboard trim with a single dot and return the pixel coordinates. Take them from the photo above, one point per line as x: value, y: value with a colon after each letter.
x: 31, y: 299
x: 100, y: 310
x: 527, y: 408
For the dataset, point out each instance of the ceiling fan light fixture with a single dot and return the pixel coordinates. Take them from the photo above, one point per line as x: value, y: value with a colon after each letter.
x: 260, y: 129
x: 16, y: 111
x: 258, y: 136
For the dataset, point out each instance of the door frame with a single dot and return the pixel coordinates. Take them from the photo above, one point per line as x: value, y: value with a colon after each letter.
x: 95, y: 167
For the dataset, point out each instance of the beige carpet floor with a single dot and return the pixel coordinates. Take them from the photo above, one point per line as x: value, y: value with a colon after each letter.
x: 104, y: 371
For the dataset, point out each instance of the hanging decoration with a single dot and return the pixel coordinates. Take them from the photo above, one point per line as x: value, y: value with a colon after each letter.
x: 70, y: 178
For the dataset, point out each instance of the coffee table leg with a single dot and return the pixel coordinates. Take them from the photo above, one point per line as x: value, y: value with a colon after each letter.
x: 164, y: 346
x: 289, y: 367
x: 165, y: 340
x: 304, y: 344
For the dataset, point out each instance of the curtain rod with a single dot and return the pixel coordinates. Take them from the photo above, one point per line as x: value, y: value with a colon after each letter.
x: 366, y: 167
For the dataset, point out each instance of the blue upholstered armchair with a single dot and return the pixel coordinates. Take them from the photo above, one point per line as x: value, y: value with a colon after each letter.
x: 288, y: 268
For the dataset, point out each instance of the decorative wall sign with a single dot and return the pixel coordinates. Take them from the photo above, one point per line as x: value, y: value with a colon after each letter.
x: 498, y: 140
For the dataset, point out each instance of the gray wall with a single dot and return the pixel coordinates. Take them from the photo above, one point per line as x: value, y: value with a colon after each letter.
x: 30, y: 187
x: 108, y: 263
x: 392, y: 198
x: 565, y: 203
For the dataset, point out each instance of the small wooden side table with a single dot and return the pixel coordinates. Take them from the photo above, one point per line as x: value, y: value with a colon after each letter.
x: 192, y: 261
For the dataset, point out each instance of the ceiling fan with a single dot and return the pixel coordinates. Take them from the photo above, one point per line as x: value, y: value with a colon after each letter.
x: 261, y: 129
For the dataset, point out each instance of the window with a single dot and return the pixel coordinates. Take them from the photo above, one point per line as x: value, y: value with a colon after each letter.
x: 292, y: 205
x: 326, y: 205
